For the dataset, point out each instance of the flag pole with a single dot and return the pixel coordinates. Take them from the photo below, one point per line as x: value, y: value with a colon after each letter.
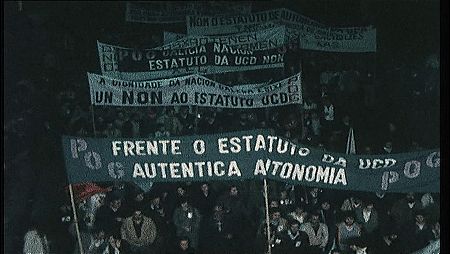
x: 75, y: 219
x: 266, y: 199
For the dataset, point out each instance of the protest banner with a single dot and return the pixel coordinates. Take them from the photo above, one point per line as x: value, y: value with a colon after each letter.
x: 306, y: 35
x: 228, y: 24
x: 259, y: 40
x: 347, y: 39
x: 175, y: 12
x: 145, y: 64
x: 192, y: 90
x: 245, y: 155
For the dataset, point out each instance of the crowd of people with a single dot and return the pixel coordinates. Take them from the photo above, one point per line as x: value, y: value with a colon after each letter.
x: 393, y: 107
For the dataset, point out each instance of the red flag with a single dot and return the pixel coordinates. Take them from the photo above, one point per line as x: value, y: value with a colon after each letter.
x: 85, y: 190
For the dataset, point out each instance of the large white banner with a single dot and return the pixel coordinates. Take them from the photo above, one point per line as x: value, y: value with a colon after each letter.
x: 227, y: 24
x: 145, y: 64
x: 260, y: 40
x: 175, y: 12
x: 192, y: 90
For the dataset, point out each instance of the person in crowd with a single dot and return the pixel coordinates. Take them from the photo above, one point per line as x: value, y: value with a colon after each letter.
x: 277, y: 222
x: 388, y: 243
x: 234, y: 205
x: 139, y: 232
x: 131, y: 127
x: 35, y: 240
x: 367, y: 217
x: 293, y: 240
x: 217, y: 233
x: 416, y: 234
x: 92, y: 241
x: 286, y: 203
x: 387, y: 148
x: 173, y: 124
x: 328, y: 217
x: 402, y: 211
x: 312, y: 199
x: 111, y: 131
x: 188, y: 121
x: 204, y: 200
x: 162, y: 132
x: 110, y: 216
x: 351, y: 204
x: 183, y: 246
x: 347, y: 231
x: 156, y: 211
x: 148, y: 125
x: 136, y: 201
x: 187, y: 222
x: 299, y: 214
x: 328, y: 113
x: 317, y: 233
x: 115, y: 245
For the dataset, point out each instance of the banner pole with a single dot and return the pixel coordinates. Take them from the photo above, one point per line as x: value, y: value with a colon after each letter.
x: 266, y: 199
x: 75, y: 219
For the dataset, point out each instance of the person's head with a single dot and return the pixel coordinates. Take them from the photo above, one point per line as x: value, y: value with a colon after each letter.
x: 388, y: 147
x: 155, y: 200
x: 349, y: 220
x: 115, y: 240
x: 368, y: 206
x: 204, y: 187
x: 139, y: 196
x: 367, y: 150
x: 99, y: 234
x: 183, y: 243
x: 137, y: 216
x: 274, y: 203
x: 419, y: 217
x: 181, y: 191
x: 346, y: 119
x: 294, y: 226
x: 300, y: 210
x: 115, y: 203
x: 234, y: 190
x: 275, y: 214
x: 325, y: 205
x: 184, y: 204
x: 410, y: 197
x: 315, y: 218
x: 314, y: 192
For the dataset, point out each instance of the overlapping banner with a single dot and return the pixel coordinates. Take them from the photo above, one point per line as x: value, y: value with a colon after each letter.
x: 176, y: 12
x: 260, y: 40
x: 246, y: 155
x: 144, y: 64
x: 193, y: 90
x: 228, y: 24
x: 304, y: 34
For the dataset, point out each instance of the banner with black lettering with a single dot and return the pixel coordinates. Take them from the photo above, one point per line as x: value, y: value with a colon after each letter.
x: 175, y: 12
x: 146, y: 64
x: 228, y: 24
x: 260, y: 40
x: 306, y: 35
x: 192, y: 90
x: 347, y: 39
x: 246, y: 155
